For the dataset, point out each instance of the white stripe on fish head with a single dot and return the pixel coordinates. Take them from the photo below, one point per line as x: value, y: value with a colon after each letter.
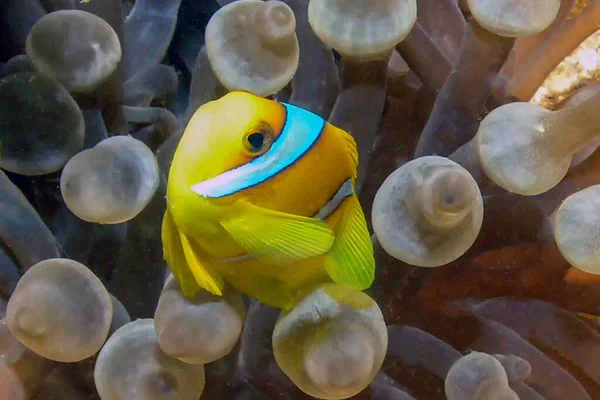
x: 300, y: 132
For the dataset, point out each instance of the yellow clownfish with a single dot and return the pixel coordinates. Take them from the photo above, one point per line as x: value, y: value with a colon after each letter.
x: 261, y: 195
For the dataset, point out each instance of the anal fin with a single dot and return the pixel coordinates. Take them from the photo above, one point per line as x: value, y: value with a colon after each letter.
x: 268, y: 291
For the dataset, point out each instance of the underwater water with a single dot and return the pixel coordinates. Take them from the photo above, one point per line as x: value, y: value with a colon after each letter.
x: 296, y: 199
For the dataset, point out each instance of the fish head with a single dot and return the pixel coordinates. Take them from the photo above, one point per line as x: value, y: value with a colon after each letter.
x: 271, y: 154
x: 224, y: 134
x: 221, y: 136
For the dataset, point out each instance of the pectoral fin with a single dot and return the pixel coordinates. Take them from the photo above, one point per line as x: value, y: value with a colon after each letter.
x: 184, y: 265
x: 350, y: 261
x: 278, y: 238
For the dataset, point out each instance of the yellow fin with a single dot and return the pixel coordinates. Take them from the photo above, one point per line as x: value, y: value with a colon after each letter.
x: 278, y: 238
x: 352, y: 151
x: 173, y: 255
x: 204, y: 275
x: 267, y: 290
x: 350, y: 261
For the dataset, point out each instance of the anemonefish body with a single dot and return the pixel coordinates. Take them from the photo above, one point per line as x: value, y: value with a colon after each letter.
x: 261, y: 196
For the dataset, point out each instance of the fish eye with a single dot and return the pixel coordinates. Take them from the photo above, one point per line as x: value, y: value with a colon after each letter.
x: 256, y: 140
x: 259, y: 141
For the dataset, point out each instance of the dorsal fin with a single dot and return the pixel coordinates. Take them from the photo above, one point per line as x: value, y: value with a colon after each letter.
x: 352, y: 151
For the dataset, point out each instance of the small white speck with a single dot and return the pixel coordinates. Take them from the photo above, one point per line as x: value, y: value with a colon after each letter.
x: 588, y: 59
x: 540, y: 128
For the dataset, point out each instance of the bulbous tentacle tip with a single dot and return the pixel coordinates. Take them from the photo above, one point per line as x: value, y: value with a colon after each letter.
x: 38, y: 114
x: 252, y: 46
x: 132, y: 365
x: 478, y: 376
x: 365, y: 29
x: 577, y: 229
x: 122, y: 163
x: 447, y: 195
x: 517, y: 369
x: 517, y: 149
x: 428, y: 212
x: 276, y: 23
x: 60, y: 310
x: 332, y: 343
x: 75, y: 47
x: 198, y: 330
x: 527, y: 149
x: 514, y: 18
